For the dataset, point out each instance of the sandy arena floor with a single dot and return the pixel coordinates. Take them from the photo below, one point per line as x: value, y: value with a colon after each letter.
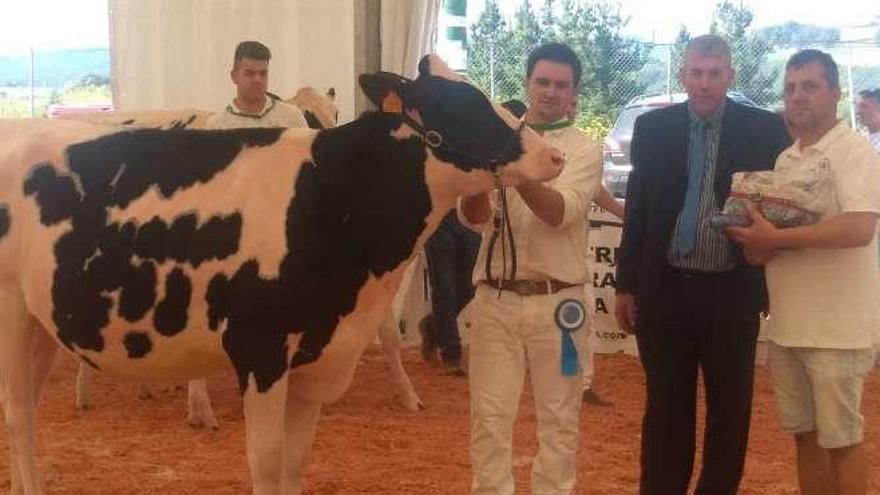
x: 366, y: 443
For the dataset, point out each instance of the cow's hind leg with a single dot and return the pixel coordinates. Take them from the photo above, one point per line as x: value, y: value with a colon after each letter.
x: 145, y: 391
x: 27, y: 354
x: 264, y: 422
x: 301, y: 422
x: 390, y: 339
x: 45, y: 353
x: 83, y: 392
x: 200, y: 414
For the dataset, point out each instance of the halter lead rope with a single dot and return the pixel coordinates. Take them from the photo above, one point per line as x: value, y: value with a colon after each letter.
x: 501, y: 222
x: 501, y: 228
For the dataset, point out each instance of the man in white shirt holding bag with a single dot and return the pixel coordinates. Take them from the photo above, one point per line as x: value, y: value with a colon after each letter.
x: 823, y: 285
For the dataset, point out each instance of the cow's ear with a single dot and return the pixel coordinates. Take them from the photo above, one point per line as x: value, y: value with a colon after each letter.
x: 384, y: 89
x: 425, y: 66
x: 331, y: 93
x: 432, y: 65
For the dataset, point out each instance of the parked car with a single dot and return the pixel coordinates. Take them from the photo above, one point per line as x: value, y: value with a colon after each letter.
x: 617, y: 144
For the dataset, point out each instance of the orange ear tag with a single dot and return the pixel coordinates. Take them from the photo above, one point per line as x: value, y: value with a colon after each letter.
x: 391, y: 103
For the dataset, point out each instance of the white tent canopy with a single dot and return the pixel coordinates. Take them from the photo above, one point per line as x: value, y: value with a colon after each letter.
x: 178, y: 53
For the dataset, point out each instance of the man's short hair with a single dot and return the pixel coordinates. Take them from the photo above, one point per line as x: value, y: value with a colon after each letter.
x: 251, y: 49
x: 555, y: 52
x: 873, y: 94
x: 709, y: 45
x: 810, y: 56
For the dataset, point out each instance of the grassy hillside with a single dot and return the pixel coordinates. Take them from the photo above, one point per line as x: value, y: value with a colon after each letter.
x: 54, y: 69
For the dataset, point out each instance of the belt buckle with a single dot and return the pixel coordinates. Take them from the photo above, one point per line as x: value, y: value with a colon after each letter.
x: 528, y: 287
x: 521, y: 288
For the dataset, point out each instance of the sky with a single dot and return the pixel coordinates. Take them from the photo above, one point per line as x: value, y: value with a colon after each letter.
x: 49, y: 24
x: 659, y: 20
x: 52, y: 24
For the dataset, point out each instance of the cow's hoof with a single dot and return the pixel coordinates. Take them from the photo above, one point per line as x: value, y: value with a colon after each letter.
x: 200, y: 421
x: 144, y: 392
x: 83, y: 406
x: 203, y: 423
x: 412, y: 403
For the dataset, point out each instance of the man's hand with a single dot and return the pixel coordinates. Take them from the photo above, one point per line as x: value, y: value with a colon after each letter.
x: 759, y: 237
x: 625, y: 311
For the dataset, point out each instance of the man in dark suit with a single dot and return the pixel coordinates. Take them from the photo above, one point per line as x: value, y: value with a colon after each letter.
x: 683, y: 287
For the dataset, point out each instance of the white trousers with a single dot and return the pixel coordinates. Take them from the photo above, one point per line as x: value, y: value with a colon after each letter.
x: 589, y: 363
x: 509, y: 335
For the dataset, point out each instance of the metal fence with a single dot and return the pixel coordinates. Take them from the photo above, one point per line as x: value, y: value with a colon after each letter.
x: 500, y: 70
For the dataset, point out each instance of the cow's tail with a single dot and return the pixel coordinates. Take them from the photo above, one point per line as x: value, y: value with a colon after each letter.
x: 5, y: 221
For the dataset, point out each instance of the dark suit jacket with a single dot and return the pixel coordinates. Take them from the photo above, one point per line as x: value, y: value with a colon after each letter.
x: 751, y: 139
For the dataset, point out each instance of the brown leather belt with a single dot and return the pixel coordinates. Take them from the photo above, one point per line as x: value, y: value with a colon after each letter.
x: 530, y: 287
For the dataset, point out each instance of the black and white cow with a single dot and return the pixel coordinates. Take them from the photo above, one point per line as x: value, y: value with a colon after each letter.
x: 321, y: 113
x: 168, y: 254
x: 318, y: 108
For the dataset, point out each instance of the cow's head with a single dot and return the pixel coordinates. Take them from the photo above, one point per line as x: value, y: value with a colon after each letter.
x: 462, y: 126
x: 318, y: 108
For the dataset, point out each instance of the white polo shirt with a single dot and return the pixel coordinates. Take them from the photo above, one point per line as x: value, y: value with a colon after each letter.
x: 830, y: 298
x: 275, y: 113
x: 543, y: 251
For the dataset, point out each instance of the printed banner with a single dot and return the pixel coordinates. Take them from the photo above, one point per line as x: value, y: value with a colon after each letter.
x: 605, y: 232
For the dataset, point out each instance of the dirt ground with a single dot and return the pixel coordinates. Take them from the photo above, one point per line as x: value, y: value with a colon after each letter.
x: 366, y: 443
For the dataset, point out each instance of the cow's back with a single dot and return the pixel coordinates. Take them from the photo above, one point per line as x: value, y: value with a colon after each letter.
x: 189, y: 118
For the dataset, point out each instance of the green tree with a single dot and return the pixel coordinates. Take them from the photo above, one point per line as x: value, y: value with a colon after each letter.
x: 677, y: 57
x: 526, y: 27
x: 573, y: 26
x: 548, y: 22
x: 612, y: 62
x: 487, y: 65
x: 754, y: 76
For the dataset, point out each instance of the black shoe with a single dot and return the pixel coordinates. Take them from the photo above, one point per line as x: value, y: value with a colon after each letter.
x: 591, y: 397
x: 452, y: 367
x: 429, y: 343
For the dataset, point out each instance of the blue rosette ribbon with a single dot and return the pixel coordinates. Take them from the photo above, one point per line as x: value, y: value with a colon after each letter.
x: 570, y: 316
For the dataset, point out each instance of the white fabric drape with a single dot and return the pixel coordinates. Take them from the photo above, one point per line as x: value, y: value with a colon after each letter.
x: 178, y: 53
x: 408, y: 29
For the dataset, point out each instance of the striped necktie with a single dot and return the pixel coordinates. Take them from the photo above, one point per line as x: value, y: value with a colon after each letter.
x: 690, y: 213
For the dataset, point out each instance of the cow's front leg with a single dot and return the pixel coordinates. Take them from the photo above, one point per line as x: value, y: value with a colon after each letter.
x: 200, y: 414
x: 301, y: 422
x: 26, y: 357
x: 264, y: 422
x: 390, y: 338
